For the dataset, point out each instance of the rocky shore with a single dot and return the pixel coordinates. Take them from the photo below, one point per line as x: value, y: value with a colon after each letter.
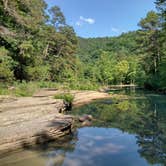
x: 34, y: 120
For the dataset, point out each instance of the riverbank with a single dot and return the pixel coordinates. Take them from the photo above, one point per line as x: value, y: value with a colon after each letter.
x: 80, y: 96
x: 34, y: 120
x: 26, y: 121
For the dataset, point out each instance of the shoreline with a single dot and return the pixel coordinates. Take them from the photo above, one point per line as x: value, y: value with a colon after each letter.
x: 26, y: 121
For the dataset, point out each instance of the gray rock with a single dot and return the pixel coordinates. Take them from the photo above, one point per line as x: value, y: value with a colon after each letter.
x: 86, y: 123
x: 85, y: 117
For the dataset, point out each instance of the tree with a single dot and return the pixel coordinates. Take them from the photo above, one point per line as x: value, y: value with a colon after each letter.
x: 6, y: 66
x: 150, y: 22
x: 57, y: 17
x: 35, y: 40
x: 150, y: 25
x: 161, y: 6
x: 104, y: 68
x: 121, y: 71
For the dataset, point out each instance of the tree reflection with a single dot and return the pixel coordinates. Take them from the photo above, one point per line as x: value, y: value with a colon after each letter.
x: 142, y: 117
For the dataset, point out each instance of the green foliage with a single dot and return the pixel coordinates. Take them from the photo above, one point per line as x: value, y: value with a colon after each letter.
x: 123, y: 106
x: 38, y: 73
x: 48, y: 84
x: 26, y: 49
x: 65, y: 96
x: 35, y: 46
x: 116, y: 61
x: 131, y: 58
x: 151, y: 22
x: 24, y: 89
x: 5, y: 73
x: 121, y: 71
x: 162, y: 75
x: 57, y: 17
x: 6, y: 66
x: 83, y: 85
x: 19, y: 89
x: 35, y: 41
x: 104, y: 66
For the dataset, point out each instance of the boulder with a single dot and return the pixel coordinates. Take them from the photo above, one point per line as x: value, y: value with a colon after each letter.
x: 86, y: 123
x: 85, y: 117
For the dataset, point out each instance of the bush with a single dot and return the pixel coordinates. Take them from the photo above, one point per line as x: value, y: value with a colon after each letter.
x: 65, y: 96
x: 6, y: 68
x: 6, y: 74
x: 50, y: 84
x: 25, y: 89
x: 38, y: 73
x: 83, y: 85
x: 19, y: 89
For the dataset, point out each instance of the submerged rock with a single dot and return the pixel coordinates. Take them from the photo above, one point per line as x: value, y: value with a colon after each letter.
x: 85, y: 118
x: 86, y: 123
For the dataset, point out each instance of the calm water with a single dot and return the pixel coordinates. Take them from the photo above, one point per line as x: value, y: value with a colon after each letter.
x: 127, y: 132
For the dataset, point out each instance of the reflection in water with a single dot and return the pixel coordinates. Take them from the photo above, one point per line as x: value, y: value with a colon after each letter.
x: 144, y: 116
x: 128, y: 132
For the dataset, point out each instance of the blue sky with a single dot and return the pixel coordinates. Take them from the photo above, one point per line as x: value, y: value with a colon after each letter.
x: 98, y: 18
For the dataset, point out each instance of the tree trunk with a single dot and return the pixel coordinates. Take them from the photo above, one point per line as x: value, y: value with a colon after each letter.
x: 45, y: 52
x: 155, y: 65
x: 5, y: 3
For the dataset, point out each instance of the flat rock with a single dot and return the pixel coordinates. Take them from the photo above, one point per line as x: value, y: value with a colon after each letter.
x: 30, y: 119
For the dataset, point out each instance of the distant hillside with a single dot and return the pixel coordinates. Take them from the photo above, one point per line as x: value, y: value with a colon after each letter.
x: 128, y: 43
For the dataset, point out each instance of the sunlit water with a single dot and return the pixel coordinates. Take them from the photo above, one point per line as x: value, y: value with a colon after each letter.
x: 123, y: 133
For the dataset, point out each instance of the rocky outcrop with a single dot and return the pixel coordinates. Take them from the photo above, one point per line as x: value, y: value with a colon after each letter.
x: 30, y: 120
x: 34, y: 120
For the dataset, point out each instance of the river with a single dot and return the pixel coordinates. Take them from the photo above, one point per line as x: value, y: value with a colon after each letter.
x: 128, y: 132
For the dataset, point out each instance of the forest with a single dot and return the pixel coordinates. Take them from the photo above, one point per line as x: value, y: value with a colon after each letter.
x: 38, y: 47
x: 67, y: 98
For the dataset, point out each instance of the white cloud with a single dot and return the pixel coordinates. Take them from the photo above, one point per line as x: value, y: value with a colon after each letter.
x: 116, y: 30
x: 83, y: 20
x: 87, y: 20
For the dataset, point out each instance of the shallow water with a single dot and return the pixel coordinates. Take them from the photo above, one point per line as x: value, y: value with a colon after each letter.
x: 127, y: 132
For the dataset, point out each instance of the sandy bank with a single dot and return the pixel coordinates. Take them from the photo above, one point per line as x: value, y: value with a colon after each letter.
x: 80, y: 97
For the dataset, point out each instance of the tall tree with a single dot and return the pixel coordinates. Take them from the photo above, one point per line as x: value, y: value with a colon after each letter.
x: 161, y: 6
x: 150, y: 26
x: 57, y: 17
